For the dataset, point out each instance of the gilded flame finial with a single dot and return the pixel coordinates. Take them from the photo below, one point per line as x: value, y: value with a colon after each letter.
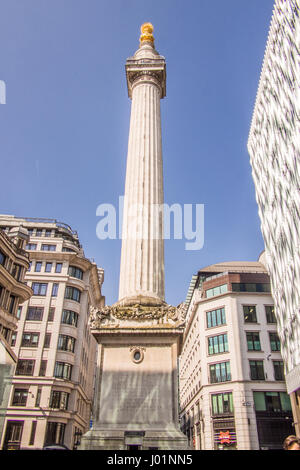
x: 146, y: 36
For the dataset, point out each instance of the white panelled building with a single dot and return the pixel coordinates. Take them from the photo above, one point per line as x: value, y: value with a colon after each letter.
x: 232, y: 388
x: 274, y: 148
x: 53, y: 386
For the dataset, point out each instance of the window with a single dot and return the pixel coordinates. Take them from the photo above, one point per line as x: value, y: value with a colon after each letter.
x: 51, y: 314
x: 2, y: 258
x: 55, y: 433
x: 58, y: 267
x: 17, y: 272
x: 39, y: 288
x: 35, y: 313
x: 75, y: 272
x: 31, y: 246
x: 48, y: 233
x: 274, y: 342
x: 13, y: 339
x: 39, y: 232
x: 216, y: 317
x: 32, y: 433
x: 19, y: 311
x: 59, y: 400
x: 38, y: 266
x: 47, y: 340
x: 72, y: 293
x: 25, y: 367
x: 257, y: 370
x: 250, y: 287
x: 66, y: 343
x: 216, y: 290
x: 249, y: 314
x: 20, y: 397
x: 54, y: 290
x: 220, y: 372
x: 48, y: 267
x: 69, y: 317
x: 62, y: 370
x: 217, y: 344
x: 11, y: 305
x: 222, y: 403
x: 253, y: 341
x: 272, y: 401
x: 278, y: 370
x: 270, y: 314
x: 48, y: 247
x: 30, y: 340
x: 38, y: 397
x: 43, y: 368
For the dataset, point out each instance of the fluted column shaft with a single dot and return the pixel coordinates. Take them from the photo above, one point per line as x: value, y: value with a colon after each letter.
x: 142, y: 256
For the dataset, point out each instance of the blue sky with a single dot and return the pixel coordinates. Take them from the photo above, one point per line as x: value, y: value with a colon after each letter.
x: 64, y: 127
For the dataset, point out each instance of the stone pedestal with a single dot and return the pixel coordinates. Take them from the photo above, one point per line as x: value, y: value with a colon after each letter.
x: 136, y: 402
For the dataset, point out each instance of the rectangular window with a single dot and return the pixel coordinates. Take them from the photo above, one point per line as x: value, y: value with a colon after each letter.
x: 218, y: 344
x: 253, y: 341
x: 39, y: 232
x: 58, y: 267
x: 275, y: 402
x: 30, y: 340
x: 63, y: 370
x: 59, y: 400
x: 38, y: 266
x: 47, y: 340
x: 32, y: 433
x: 48, y: 247
x: 250, y: 287
x: 35, y: 313
x: 11, y: 304
x: 51, y: 314
x: 274, y: 342
x: 220, y: 372
x: 270, y: 313
x: 72, y: 293
x: 75, y: 272
x: 278, y: 370
x: 222, y: 403
x: 31, y: 246
x: 54, y: 290
x: 25, y: 367
x: 43, y: 368
x: 69, y: 317
x: 48, y: 267
x: 66, y: 343
x: 216, y: 290
x: 2, y: 258
x: 249, y: 313
x: 13, y: 339
x: 216, y: 317
x: 55, y: 433
x: 48, y: 233
x: 19, y: 311
x: 257, y: 370
x: 20, y: 397
x: 38, y: 397
x: 39, y: 288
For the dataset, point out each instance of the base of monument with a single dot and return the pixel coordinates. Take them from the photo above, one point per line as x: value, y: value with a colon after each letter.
x: 110, y: 439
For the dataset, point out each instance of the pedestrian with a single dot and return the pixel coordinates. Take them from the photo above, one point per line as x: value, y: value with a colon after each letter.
x: 291, y: 443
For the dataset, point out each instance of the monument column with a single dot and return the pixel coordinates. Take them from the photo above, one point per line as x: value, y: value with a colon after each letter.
x: 142, y: 256
x: 140, y: 336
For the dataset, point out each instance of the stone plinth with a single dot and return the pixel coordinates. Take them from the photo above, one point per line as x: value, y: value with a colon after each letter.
x: 136, y: 401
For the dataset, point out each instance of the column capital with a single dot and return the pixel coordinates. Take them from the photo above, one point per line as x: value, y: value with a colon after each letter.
x: 152, y: 70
